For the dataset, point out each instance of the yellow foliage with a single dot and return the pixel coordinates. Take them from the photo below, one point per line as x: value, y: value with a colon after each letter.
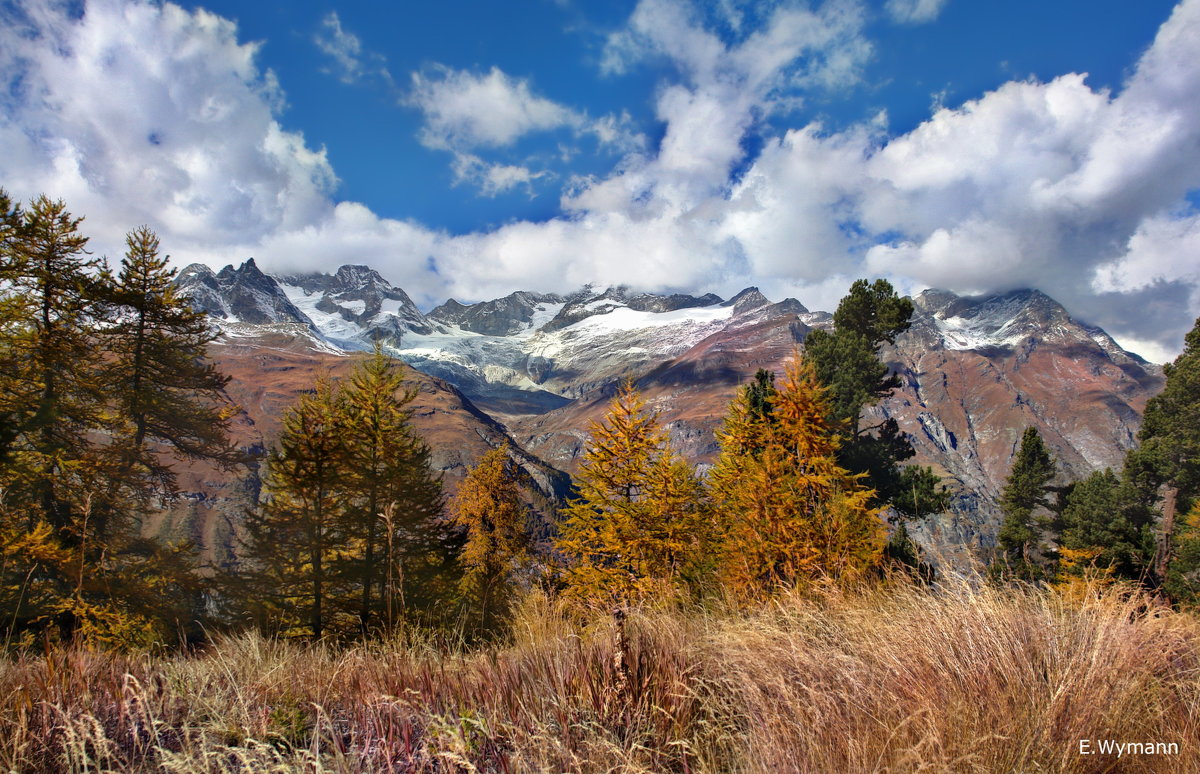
x: 488, y: 507
x: 636, y: 527
x: 786, y: 512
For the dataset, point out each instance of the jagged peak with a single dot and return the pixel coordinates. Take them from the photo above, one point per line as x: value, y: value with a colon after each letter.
x: 747, y: 299
x: 354, y: 275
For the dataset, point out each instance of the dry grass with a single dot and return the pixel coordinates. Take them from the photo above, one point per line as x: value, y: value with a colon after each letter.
x: 895, y: 679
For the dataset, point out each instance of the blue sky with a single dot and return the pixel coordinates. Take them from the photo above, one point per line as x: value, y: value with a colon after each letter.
x: 469, y: 149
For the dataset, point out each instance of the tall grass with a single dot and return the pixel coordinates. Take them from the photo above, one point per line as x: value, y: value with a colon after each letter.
x: 889, y: 679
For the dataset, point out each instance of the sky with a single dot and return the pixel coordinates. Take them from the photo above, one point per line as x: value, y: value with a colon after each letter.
x: 469, y: 149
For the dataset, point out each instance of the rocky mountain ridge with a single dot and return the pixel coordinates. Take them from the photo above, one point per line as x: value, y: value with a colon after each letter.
x: 976, y: 370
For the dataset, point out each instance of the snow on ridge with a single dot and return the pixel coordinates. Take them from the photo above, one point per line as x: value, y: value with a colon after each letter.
x: 623, y: 318
x: 987, y: 325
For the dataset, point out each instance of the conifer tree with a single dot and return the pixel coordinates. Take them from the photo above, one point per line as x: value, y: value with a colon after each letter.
x: 635, y: 525
x: 295, y: 539
x: 787, y: 513
x: 1025, y: 505
x: 488, y: 508
x: 847, y: 361
x: 1165, y: 468
x: 55, y: 389
x: 1101, y: 520
x: 166, y: 395
x: 387, y: 466
x: 55, y: 473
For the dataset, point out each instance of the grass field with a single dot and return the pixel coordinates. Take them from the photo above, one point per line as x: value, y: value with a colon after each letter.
x: 900, y: 678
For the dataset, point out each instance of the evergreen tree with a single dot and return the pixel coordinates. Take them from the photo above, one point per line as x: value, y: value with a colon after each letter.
x: 387, y: 468
x: 1165, y: 469
x: 847, y: 362
x: 635, y: 526
x: 1025, y: 503
x: 1101, y: 520
x: 295, y: 539
x: 488, y: 508
x: 787, y: 513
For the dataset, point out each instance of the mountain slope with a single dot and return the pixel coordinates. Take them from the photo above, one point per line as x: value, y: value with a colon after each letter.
x: 976, y: 370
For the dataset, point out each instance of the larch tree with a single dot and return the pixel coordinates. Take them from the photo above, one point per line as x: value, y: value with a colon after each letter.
x: 394, y: 500
x: 1025, y: 504
x: 787, y: 514
x: 54, y: 476
x: 167, y: 396
x: 636, y: 522
x: 489, y: 509
x: 295, y: 539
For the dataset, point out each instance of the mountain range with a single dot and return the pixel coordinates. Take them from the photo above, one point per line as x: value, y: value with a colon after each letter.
x: 536, y: 369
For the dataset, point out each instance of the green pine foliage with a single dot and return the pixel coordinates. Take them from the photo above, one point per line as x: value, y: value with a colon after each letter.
x: 1025, y: 504
x: 1165, y: 469
x: 848, y: 363
x: 1100, y: 517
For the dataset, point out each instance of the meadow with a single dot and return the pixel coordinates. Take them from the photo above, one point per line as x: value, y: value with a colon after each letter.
x: 888, y: 678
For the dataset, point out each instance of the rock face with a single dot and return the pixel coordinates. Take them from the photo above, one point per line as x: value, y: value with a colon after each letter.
x: 502, y: 317
x: 270, y: 368
x: 243, y: 294
x: 976, y: 370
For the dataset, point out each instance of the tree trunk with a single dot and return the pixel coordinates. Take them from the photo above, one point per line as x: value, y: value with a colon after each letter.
x: 1162, y: 558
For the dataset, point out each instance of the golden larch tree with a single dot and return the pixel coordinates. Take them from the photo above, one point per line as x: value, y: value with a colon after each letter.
x: 785, y: 512
x: 489, y: 509
x: 636, y: 525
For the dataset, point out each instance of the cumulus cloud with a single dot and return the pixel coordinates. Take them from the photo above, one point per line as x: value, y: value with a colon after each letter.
x: 137, y: 113
x: 1057, y: 186
x: 468, y: 113
x: 466, y: 110
x: 146, y: 113
x: 914, y: 11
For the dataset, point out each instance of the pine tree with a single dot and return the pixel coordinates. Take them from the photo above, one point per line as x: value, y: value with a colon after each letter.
x: 1100, y: 519
x: 296, y: 537
x: 787, y: 513
x: 847, y: 362
x: 388, y: 469
x: 635, y: 525
x: 1165, y: 468
x: 488, y: 508
x: 1025, y: 503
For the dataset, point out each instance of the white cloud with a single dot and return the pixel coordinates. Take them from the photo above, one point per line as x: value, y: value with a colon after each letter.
x: 144, y: 113
x: 465, y: 110
x: 345, y: 48
x: 914, y: 11
x: 469, y: 113
x: 493, y: 178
